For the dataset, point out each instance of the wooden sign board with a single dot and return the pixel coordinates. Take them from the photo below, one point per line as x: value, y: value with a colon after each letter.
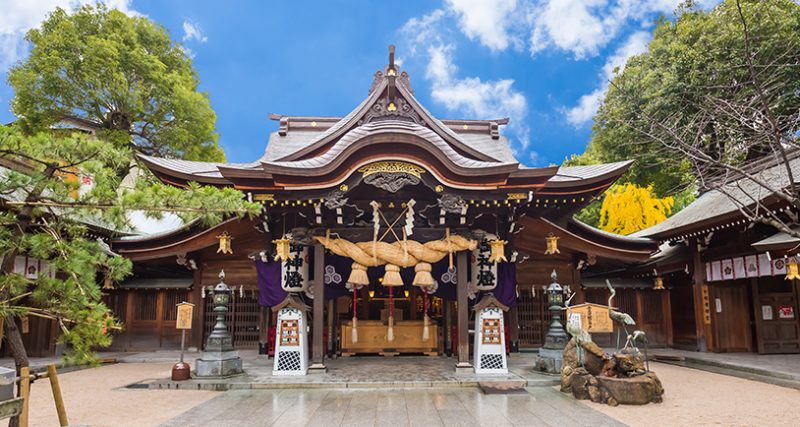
x: 184, y: 318
x: 594, y: 317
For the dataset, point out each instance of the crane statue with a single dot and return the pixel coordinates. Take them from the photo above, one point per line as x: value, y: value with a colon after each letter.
x: 578, y: 334
x: 640, y: 337
x: 619, y: 317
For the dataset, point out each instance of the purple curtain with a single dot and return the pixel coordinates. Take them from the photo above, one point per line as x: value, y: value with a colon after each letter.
x: 506, y: 290
x: 269, y: 283
x: 337, y: 268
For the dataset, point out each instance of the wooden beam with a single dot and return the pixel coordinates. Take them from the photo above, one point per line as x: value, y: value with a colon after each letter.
x: 317, y: 345
x: 462, y: 312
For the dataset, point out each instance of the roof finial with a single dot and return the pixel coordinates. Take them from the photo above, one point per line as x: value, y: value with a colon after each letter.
x: 391, y: 57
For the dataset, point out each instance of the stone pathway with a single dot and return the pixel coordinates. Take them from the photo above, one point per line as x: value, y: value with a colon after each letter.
x: 542, y: 406
x: 781, y: 365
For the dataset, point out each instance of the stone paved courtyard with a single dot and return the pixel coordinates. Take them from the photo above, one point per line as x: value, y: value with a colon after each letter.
x: 541, y: 406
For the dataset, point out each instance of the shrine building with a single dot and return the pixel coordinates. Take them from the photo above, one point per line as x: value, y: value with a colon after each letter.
x: 389, y: 221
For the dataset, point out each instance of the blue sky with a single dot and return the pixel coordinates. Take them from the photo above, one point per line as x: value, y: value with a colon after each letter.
x: 545, y: 64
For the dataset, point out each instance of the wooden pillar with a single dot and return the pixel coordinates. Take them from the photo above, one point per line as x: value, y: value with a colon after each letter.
x: 462, y: 312
x: 513, y: 329
x: 263, y: 330
x: 331, y: 327
x: 448, y: 327
x: 702, y: 299
x: 195, y: 297
x: 317, y: 330
x: 666, y: 303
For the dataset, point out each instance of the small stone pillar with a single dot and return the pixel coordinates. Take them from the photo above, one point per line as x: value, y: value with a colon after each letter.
x: 219, y: 358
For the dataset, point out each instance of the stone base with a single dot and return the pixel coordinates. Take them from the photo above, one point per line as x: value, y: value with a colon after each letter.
x: 549, y: 360
x: 464, y: 368
x: 218, y: 364
x: 317, y: 368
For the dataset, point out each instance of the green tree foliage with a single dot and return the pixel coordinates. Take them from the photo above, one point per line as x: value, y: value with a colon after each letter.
x: 122, y: 75
x: 708, y: 83
x: 45, y: 216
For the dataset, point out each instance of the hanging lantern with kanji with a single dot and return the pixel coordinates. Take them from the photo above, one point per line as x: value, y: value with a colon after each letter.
x: 225, y: 243
x: 552, y: 244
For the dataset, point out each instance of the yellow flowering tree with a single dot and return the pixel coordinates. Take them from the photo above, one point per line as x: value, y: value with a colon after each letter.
x: 628, y: 208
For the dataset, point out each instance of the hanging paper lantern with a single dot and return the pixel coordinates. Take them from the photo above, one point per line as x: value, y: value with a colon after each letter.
x: 392, y: 277
x: 282, y: 250
x: 484, y: 270
x: 658, y: 284
x: 792, y: 270
x: 498, y: 251
x: 295, y: 270
x: 225, y: 243
x: 552, y: 244
x: 107, y: 283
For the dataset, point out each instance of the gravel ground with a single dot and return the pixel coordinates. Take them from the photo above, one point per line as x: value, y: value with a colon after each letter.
x: 93, y: 397
x: 693, y: 398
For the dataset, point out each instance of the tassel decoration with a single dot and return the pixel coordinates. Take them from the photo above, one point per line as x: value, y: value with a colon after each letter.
x: 354, y: 337
x: 358, y: 275
x: 426, y: 319
x: 390, y: 332
x: 392, y: 276
x: 423, y: 278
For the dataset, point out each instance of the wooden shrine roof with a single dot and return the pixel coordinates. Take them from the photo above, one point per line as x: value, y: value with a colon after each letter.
x: 389, y: 124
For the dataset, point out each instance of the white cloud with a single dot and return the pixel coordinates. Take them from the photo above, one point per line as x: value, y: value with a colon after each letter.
x: 589, y: 103
x: 488, y: 21
x: 474, y: 97
x: 583, y: 27
x: 19, y: 16
x: 192, y: 31
x: 422, y: 31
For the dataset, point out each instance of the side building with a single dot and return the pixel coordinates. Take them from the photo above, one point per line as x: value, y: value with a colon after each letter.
x: 728, y: 276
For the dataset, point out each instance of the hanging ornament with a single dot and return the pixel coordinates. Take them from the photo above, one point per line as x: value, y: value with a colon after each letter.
x: 282, y: 250
x: 225, y: 243
x: 498, y: 251
x: 294, y: 270
x: 552, y: 244
x: 107, y: 283
x: 358, y: 275
x: 484, y: 280
x: 426, y: 318
x: 376, y: 226
x: 792, y: 269
x: 390, y: 331
x: 392, y: 277
x: 423, y: 278
x: 409, y: 227
x: 354, y: 331
x: 658, y: 284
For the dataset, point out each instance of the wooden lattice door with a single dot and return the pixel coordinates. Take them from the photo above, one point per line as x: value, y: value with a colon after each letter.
x: 534, y: 318
x: 241, y: 320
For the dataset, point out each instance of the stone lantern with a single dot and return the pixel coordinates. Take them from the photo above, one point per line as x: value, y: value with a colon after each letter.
x: 219, y: 358
x: 552, y: 353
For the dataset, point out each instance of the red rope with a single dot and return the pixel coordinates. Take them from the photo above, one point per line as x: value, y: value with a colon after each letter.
x: 355, y: 298
x: 391, y: 301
